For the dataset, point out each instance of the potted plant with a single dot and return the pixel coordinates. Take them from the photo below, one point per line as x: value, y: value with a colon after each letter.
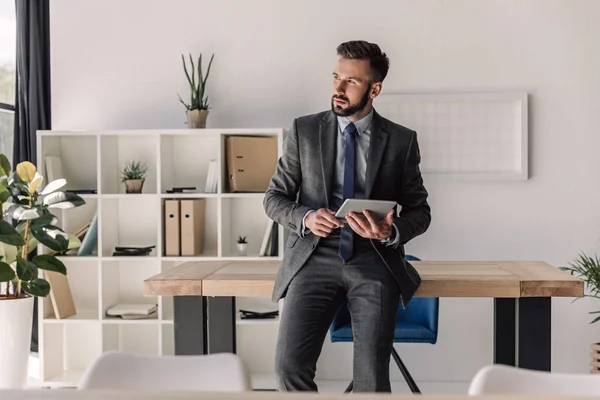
x: 134, y: 175
x: 197, y: 108
x: 588, y: 269
x: 19, y: 272
x: 241, y: 245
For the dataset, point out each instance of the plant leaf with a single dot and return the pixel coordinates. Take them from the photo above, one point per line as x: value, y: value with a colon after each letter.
x: 5, y: 165
x: 595, y: 320
x: 4, y: 193
x: 26, y: 270
x: 46, y: 218
x: 9, y: 235
x: 52, y: 237
x: 35, y: 183
x: 49, y: 263
x: 37, y: 287
x: 26, y: 171
x: 53, y: 186
x: 63, y: 200
x: 10, y: 253
x: 6, y: 272
x: 26, y: 214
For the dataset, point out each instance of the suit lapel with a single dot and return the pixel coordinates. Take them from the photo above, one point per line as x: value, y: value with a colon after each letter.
x: 327, y: 139
x: 379, y: 137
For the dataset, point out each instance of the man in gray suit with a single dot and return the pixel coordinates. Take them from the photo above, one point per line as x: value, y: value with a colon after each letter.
x: 349, y: 151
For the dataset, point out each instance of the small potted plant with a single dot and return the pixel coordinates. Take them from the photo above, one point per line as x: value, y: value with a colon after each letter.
x: 19, y: 271
x: 241, y: 245
x: 197, y: 108
x: 134, y: 175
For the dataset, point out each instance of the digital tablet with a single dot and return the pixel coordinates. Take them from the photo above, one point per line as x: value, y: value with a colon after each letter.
x: 379, y: 207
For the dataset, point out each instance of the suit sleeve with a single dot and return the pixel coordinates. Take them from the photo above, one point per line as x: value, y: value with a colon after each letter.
x: 280, y: 198
x: 415, y: 215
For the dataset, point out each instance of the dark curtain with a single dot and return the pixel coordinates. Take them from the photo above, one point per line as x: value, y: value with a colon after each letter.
x: 32, y: 105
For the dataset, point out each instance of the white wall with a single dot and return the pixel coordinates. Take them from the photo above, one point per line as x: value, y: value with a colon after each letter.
x: 116, y: 64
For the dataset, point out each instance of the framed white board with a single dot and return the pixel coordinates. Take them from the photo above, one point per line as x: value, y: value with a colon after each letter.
x: 478, y: 136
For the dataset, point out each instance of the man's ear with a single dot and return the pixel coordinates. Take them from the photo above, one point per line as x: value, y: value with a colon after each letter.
x: 375, y: 89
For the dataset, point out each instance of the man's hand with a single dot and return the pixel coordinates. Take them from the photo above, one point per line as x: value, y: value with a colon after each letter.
x: 371, y: 227
x: 322, y: 222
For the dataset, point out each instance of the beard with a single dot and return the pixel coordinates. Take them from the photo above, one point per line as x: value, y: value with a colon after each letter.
x: 352, y: 108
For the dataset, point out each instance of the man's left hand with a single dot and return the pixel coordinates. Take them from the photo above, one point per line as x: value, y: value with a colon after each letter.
x: 371, y: 227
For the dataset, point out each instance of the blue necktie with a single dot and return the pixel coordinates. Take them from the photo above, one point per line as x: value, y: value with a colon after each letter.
x: 347, y: 235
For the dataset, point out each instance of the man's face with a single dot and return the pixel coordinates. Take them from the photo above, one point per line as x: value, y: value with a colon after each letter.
x: 352, y: 87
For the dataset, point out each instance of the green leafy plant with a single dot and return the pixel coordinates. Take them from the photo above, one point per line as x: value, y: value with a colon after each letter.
x: 134, y: 170
x: 241, y: 239
x: 198, y: 97
x: 588, y: 269
x: 35, y: 224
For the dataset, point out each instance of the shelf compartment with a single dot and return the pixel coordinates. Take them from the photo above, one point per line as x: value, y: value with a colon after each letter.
x: 244, y: 216
x: 133, y: 338
x: 167, y: 340
x: 185, y: 160
x: 129, y: 221
x: 77, y: 158
x: 210, y: 230
x: 66, y: 354
x: 72, y: 220
x: 122, y: 284
x: 83, y: 282
x: 118, y: 150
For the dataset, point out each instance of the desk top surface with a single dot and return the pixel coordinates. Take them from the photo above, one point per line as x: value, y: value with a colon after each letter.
x: 511, y: 279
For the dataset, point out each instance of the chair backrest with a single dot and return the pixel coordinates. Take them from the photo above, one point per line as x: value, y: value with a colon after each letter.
x: 222, y: 372
x: 506, y: 380
x: 421, y: 310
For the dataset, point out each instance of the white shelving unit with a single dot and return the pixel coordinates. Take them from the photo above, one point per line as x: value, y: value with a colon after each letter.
x: 94, y: 160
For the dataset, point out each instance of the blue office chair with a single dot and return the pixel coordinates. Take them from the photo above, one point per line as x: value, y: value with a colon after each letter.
x: 418, y: 323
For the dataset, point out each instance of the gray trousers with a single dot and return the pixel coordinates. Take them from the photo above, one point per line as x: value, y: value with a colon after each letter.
x: 313, y: 298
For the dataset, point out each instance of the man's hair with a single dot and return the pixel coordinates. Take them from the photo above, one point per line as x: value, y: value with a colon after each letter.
x: 362, y: 50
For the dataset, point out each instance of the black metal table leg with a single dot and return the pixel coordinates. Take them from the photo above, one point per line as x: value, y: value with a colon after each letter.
x: 221, y: 325
x: 522, y: 332
x: 534, y: 339
x: 504, y: 331
x: 189, y: 322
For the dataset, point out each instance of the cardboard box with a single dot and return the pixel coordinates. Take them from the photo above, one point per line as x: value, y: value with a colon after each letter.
x: 251, y: 162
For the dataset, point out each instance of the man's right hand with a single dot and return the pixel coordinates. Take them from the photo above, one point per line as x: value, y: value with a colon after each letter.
x: 322, y: 222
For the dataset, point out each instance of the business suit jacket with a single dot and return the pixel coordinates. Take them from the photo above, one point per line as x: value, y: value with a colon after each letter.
x: 302, y: 181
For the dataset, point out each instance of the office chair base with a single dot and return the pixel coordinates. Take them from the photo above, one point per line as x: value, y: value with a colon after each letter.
x: 409, y: 380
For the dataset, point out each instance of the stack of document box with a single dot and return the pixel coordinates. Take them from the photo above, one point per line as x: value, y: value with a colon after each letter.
x: 184, y: 226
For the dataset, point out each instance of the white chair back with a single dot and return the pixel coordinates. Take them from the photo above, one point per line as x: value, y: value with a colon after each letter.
x: 503, y: 379
x: 222, y: 372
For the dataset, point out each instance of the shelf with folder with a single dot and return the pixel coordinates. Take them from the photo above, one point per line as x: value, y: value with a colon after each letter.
x: 121, y: 284
x: 185, y: 161
x: 127, y: 222
x: 73, y: 297
x: 117, y: 150
x: 70, y: 156
x: 246, y: 217
x: 189, y: 227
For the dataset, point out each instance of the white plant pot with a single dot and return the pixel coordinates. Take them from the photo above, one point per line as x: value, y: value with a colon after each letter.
x: 15, y: 339
x: 242, y: 248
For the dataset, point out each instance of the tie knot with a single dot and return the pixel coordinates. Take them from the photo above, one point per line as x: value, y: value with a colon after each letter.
x: 351, y: 128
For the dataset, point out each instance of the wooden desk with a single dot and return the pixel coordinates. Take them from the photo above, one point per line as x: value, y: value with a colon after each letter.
x: 522, y: 293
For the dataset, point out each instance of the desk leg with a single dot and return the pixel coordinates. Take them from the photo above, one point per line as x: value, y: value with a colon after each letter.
x: 535, y: 315
x: 190, y: 325
x: 221, y: 325
x: 522, y: 332
x: 504, y: 331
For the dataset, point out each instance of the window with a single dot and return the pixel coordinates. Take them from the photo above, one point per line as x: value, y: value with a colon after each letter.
x: 8, y: 45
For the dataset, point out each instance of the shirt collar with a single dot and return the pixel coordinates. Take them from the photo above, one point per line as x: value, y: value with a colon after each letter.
x: 361, y: 125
